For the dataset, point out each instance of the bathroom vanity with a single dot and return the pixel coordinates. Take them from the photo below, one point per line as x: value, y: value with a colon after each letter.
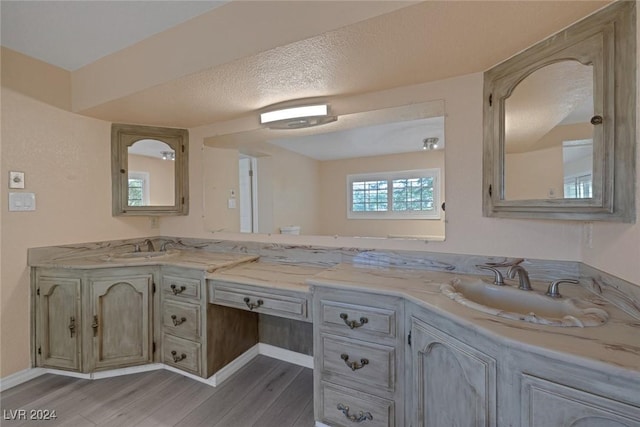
x: 389, y: 345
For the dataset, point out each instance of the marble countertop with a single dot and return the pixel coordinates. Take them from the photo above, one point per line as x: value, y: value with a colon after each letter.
x: 290, y: 277
x: 616, y: 343
x: 194, y: 259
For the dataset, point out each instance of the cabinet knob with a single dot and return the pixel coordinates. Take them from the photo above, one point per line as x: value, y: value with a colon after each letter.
x: 362, y: 416
x: 596, y: 120
x: 72, y: 326
x: 177, y: 358
x: 354, y: 365
x: 177, y: 290
x: 352, y: 323
x: 95, y: 325
x: 177, y: 321
x: 252, y: 305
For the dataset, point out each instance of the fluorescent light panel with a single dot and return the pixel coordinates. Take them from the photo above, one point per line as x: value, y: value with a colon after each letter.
x: 294, y: 112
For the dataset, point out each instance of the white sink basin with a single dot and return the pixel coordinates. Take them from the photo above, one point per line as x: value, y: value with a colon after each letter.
x: 133, y: 256
x: 528, y: 306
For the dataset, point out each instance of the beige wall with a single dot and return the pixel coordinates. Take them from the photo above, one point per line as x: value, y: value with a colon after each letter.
x: 534, y: 174
x: 333, y: 195
x: 161, y: 178
x: 66, y: 160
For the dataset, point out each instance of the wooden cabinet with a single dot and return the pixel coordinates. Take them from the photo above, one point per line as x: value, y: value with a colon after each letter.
x: 546, y: 403
x: 88, y: 320
x: 359, y: 346
x: 453, y: 383
x: 121, y: 310
x: 58, y: 322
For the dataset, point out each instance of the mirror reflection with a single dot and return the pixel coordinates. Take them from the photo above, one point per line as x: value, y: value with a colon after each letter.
x: 151, y: 174
x: 548, y: 134
x: 372, y: 174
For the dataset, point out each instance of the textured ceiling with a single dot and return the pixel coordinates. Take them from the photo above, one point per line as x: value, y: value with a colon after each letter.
x: 412, y: 44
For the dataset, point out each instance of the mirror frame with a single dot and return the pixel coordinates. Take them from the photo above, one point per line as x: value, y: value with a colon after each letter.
x: 606, y: 40
x: 125, y: 135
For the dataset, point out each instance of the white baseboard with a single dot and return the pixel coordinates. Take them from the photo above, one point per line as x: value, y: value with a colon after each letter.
x: 214, y: 380
x: 286, y: 355
x: 319, y: 424
x: 20, y: 377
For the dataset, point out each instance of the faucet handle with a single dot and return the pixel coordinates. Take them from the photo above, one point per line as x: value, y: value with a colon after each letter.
x: 498, y: 278
x: 554, y: 292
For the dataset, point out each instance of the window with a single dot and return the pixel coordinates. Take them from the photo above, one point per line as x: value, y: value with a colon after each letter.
x: 578, y: 187
x: 412, y: 194
x: 138, y: 189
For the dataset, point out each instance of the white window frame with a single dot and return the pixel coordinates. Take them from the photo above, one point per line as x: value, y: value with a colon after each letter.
x: 144, y: 177
x: 434, y: 173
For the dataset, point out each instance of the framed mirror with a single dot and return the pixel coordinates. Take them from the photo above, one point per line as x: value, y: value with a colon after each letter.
x: 559, y: 124
x: 374, y: 174
x: 149, y: 170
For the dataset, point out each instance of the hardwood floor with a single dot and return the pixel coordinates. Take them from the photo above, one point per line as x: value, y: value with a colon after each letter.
x: 266, y: 393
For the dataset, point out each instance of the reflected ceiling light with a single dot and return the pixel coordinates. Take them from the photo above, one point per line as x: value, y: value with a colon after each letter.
x: 430, y: 143
x: 168, y: 155
x: 297, y: 117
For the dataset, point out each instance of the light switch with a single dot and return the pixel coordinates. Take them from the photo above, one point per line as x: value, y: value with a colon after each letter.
x: 22, y: 201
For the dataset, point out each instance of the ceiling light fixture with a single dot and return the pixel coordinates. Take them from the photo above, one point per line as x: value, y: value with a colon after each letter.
x: 168, y: 155
x: 430, y: 143
x: 297, y: 117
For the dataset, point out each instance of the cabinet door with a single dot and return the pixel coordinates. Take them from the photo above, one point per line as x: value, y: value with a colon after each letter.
x: 121, y: 321
x: 545, y: 403
x: 453, y: 384
x: 58, y: 323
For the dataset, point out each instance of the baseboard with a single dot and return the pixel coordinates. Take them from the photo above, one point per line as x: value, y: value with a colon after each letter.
x: 319, y: 424
x: 20, y: 377
x: 214, y: 380
x: 286, y: 355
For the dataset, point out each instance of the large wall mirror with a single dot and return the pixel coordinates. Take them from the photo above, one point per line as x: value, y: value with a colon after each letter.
x: 369, y: 174
x: 559, y: 124
x: 149, y: 170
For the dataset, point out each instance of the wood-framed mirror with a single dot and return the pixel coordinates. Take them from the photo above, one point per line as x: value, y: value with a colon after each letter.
x: 559, y: 124
x: 149, y: 170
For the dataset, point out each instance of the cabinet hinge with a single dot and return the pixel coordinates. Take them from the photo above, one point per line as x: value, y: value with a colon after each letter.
x: 490, y: 190
x: 183, y: 200
x: 409, y: 339
x: 153, y: 287
x: 183, y: 148
x: 39, y: 350
x: 153, y: 347
x: 38, y: 291
x: 490, y: 99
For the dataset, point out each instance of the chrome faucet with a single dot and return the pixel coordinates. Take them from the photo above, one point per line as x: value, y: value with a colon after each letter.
x: 498, y: 278
x: 523, y: 277
x: 149, y: 243
x: 553, y: 290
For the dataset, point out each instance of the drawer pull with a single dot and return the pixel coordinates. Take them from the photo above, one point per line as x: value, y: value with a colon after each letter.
x: 72, y: 326
x: 177, y: 290
x: 177, y: 321
x: 177, y: 358
x: 354, y: 365
x: 95, y: 325
x: 362, y: 416
x: 252, y: 305
x: 352, y: 323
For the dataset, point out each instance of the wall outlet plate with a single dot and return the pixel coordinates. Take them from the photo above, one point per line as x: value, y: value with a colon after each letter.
x: 16, y: 179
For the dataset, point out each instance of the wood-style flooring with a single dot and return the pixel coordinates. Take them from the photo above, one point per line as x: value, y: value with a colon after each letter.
x: 266, y: 392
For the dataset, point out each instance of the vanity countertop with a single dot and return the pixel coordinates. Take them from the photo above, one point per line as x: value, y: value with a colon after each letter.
x: 615, y: 343
x: 194, y: 259
x: 291, y: 277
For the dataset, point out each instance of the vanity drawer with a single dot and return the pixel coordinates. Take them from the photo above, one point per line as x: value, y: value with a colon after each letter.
x: 346, y: 407
x: 357, y: 320
x: 179, y: 287
x: 346, y: 361
x: 181, y: 353
x: 260, y: 301
x: 181, y: 319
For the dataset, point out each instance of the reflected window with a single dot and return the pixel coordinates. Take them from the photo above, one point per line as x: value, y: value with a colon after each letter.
x: 578, y: 187
x: 410, y: 194
x: 138, y: 194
